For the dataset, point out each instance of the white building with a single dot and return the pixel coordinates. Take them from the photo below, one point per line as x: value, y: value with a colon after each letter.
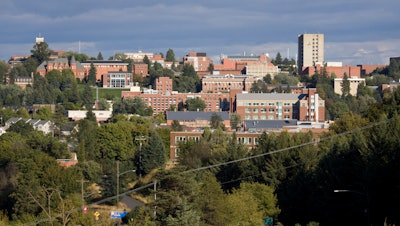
x: 354, y: 82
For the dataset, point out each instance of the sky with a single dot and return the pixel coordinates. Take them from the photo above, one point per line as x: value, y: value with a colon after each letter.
x: 356, y: 31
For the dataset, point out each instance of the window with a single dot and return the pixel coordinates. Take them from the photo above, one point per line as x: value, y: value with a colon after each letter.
x: 271, y: 104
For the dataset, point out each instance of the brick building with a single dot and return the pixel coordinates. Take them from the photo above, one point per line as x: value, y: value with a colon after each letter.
x: 117, y: 79
x: 164, y: 85
x: 258, y: 66
x: 103, y: 67
x: 61, y: 64
x: 199, y: 61
x: 225, y: 83
x: 249, y: 139
x: 196, y: 119
x: 307, y: 106
x: 160, y: 102
x: 141, y: 69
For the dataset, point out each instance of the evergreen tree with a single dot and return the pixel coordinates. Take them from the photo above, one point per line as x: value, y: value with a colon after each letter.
x: 345, y: 86
x: 41, y: 52
x: 152, y: 155
x: 170, y: 56
x: 99, y: 56
x: 91, y: 79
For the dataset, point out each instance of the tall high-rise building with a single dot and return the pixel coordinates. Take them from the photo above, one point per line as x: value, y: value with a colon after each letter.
x: 310, y: 50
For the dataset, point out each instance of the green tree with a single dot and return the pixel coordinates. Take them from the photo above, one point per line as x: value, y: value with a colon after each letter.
x: 99, y: 56
x: 41, y: 52
x: 176, y: 126
x: 210, y: 68
x: 170, y: 56
x: 216, y: 121
x: 235, y: 121
x: 267, y: 79
x: 87, y: 97
x: 243, y: 209
x: 278, y: 59
x: 43, y: 113
x: 345, y: 86
x: 91, y: 79
x: 21, y: 127
x: 211, y: 201
x: 195, y: 104
x: 176, y: 193
x: 152, y: 155
x: 31, y: 65
x: 258, y: 87
x: 4, y: 69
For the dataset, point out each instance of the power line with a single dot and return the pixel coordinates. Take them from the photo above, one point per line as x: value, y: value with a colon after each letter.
x: 94, y: 203
x: 230, y: 162
x: 288, y: 148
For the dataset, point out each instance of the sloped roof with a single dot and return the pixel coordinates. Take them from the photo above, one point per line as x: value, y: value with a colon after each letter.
x: 195, y: 115
x: 268, y: 96
x: 268, y: 124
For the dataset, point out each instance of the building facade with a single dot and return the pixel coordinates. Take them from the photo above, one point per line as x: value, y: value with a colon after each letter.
x: 354, y: 83
x: 117, y: 79
x: 199, y: 61
x: 103, y: 67
x: 307, y: 106
x: 62, y: 64
x: 225, y: 83
x: 310, y: 50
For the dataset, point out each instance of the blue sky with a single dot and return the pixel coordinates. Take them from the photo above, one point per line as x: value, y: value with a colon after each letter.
x: 356, y: 31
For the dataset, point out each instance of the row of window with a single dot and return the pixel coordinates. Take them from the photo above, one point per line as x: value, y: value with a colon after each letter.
x: 243, y: 140
x: 264, y: 110
x: 269, y: 104
x: 267, y: 117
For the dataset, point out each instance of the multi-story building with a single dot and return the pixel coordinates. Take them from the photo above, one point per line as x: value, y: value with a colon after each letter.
x: 354, y: 82
x: 249, y: 139
x: 306, y: 106
x: 103, y: 67
x: 138, y: 56
x: 196, y: 119
x: 225, y: 83
x: 164, y: 85
x: 199, y: 61
x: 258, y: 66
x: 61, y: 64
x: 337, y: 69
x: 17, y: 59
x: 161, y: 102
x: 260, y: 69
x: 141, y: 69
x: 117, y: 79
x: 310, y: 50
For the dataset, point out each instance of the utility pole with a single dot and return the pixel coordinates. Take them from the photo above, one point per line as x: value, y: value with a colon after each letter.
x: 118, y: 175
x: 140, y: 139
x: 117, y: 182
x: 155, y: 199
x: 82, y: 192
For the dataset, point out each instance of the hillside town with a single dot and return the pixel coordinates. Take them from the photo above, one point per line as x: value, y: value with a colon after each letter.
x: 121, y: 125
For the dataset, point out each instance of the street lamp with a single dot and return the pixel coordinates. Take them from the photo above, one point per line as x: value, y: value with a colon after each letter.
x: 359, y: 193
x: 140, y: 139
x: 118, y: 175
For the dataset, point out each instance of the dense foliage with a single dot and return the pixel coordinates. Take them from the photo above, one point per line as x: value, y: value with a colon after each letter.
x: 290, y: 178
